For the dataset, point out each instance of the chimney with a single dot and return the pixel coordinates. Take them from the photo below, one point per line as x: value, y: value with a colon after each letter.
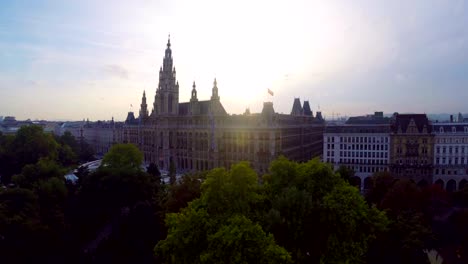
x: 451, y: 118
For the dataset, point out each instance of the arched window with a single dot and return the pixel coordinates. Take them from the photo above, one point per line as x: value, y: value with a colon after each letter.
x: 451, y: 185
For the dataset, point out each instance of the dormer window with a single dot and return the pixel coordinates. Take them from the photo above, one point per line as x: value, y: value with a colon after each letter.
x: 466, y: 129
x: 441, y: 130
x: 454, y: 129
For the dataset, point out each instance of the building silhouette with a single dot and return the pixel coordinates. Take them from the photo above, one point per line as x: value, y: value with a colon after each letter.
x: 201, y: 135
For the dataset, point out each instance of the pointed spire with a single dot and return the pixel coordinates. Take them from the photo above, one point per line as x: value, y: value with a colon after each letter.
x: 194, y: 93
x: 143, y: 107
x: 214, y: 91
x: 169, y: 41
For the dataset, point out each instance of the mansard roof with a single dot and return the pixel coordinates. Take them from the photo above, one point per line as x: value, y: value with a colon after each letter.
x: 448, y: 127
x: 403, y: 121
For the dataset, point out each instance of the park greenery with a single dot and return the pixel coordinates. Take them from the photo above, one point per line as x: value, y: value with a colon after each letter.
x: 296, y: 213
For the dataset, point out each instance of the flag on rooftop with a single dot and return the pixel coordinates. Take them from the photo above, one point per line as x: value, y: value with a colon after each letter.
x: 270, y: 92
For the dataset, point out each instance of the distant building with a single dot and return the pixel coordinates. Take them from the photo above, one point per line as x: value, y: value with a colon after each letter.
x: 101, y: 135
x: 364, y: 148
x: 200, y: 134
x: 9, y: 125
x: 451, y: 155
x: 75, y: 128
x: 376, y: 118
x: 412, y: 146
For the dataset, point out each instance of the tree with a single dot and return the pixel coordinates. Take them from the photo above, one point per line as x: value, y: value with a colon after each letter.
x: 31, y: 144
x: 317, y: 215
x: 346, y: 173
x: 183, y: 192
x: 216, y: 226
x: 68, y: 139
x: 153, y: 170
x: 19, y: 224
x: 66, y: 156
x: 7, y: 158
x: 409, y: 232
x: 123, y: 156
x: 86, y: 152
x: 354, y: 225
x: 172, y: 172
x: 381, y: 182
x: 44, y: 169
x: 242, y: 241
x: 28, y: 146
x: 232, y: 192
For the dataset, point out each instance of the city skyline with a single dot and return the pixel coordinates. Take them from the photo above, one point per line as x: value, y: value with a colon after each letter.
x: 93, y: 60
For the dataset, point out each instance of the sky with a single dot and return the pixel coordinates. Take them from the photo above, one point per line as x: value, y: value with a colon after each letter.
x: 70, y: 60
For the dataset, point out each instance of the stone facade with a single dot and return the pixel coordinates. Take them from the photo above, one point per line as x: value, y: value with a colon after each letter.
x: 363, y: 148
x: 412, y: 144
x: 451, y: 154
x: 200, y: 134
x: 101, y: 135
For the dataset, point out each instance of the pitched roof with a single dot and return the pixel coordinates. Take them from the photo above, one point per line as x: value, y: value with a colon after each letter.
x: 306, y: 109
x: 297, y: 108
x: 403, y: 121
x: 204, y: 107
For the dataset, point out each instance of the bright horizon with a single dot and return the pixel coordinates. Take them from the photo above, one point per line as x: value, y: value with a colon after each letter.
x: 73, y: 60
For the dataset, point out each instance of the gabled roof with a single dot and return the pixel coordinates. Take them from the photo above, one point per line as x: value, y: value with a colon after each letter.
x: 404, y: 120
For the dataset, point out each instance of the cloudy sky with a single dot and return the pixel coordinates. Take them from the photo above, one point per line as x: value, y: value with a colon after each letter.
x: 93, y: 59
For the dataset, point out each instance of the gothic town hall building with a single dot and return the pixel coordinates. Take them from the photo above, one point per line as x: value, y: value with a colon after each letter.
x: 200, y: 134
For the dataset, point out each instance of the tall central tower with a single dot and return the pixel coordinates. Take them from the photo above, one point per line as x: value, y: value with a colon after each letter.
x: 166, y: 101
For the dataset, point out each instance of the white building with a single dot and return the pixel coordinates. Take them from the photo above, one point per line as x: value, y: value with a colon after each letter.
x: 451, y: 155
x: 365, y: 148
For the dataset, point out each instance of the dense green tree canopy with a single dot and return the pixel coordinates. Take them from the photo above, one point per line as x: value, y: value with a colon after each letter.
x: 298, y: 212
x: 123, y: 156
x: 317, y: 215
x: 216, y: 228
x: 31, y: 144
x: 309, y: 210
x: 345, y: 173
